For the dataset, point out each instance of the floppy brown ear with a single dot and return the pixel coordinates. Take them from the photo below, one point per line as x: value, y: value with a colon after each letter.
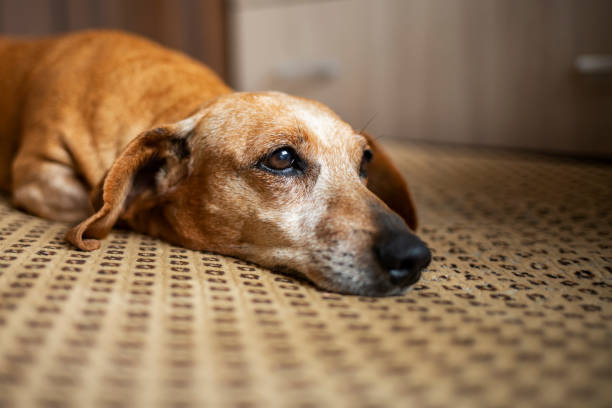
x: 149, y: 165
x: 387, y: 182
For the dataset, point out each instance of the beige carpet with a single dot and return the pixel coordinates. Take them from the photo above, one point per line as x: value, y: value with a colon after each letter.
x: 515, y: 310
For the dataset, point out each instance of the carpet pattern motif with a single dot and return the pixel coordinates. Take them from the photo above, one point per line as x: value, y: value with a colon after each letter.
x: 515, y: 310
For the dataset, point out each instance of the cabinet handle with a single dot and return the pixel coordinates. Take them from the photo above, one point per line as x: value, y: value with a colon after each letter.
x: 316, y: 70
x: 594, y: 64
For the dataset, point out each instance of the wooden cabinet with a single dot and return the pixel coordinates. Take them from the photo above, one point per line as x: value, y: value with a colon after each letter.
x: 484, y: 72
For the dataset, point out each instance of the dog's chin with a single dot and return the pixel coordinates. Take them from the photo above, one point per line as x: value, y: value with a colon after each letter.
x: 357, y: 285
x: 371, y: 289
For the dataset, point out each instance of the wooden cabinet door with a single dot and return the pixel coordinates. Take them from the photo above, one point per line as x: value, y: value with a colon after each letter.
x: 484, y: 72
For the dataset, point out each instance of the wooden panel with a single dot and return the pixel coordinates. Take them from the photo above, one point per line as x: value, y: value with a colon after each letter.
x: 488, y: 72
x: 592, y: 22
x: 195, y: 27
x: 31, y: 17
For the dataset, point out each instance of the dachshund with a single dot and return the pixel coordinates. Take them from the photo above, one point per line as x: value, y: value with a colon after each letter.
x: 103, y: 128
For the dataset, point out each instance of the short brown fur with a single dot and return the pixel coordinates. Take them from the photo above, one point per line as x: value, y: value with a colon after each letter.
x: 104, y: 127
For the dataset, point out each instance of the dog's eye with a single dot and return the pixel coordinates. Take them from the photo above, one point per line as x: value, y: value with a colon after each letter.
x: 363, y: 168
x: 281, y: 159
x: 284, y: 161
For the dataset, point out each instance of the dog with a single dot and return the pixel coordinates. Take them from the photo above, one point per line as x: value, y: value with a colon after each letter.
x: 102, y: 128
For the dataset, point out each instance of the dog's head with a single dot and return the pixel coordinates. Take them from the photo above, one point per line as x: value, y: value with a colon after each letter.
x: 277, y: 180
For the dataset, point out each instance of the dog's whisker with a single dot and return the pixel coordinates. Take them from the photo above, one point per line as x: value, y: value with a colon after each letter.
x: 364, y: 127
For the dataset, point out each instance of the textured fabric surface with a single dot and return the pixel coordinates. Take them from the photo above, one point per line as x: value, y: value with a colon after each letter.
x: 515, y: 309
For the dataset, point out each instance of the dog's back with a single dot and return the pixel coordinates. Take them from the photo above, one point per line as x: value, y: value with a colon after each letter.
x: 18, y: 58
x: 91, y: 90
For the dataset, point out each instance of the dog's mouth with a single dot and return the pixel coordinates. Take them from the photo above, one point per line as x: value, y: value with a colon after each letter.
x: 356, y: 282
x: 323, y: 283
x: 291, y: 272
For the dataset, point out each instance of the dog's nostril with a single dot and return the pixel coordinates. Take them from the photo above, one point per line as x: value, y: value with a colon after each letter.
x: 404, y: 256
x: 401, y: 275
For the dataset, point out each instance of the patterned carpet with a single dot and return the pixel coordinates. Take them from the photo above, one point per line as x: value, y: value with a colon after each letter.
x: 515, y: 310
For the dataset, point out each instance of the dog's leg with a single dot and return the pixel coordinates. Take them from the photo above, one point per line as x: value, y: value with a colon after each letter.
x: 49, y: 189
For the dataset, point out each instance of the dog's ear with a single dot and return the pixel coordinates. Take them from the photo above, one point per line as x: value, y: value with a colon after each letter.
x: 386, y: 181
x: 149, y: 167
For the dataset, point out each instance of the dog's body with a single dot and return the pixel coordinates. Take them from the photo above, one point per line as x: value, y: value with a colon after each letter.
x: 158, y: 142
x: 73, y: 103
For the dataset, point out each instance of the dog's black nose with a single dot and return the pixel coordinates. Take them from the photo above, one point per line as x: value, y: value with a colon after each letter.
x: 404, y: 256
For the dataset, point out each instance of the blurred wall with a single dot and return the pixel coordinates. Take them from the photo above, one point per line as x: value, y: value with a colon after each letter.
x: 196, y: 27
x: 486, y: 72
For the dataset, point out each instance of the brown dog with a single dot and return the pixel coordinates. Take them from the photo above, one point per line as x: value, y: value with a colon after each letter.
x: 159, y: 143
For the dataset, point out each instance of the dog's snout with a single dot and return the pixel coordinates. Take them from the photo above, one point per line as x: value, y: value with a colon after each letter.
x: 403, y: 256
